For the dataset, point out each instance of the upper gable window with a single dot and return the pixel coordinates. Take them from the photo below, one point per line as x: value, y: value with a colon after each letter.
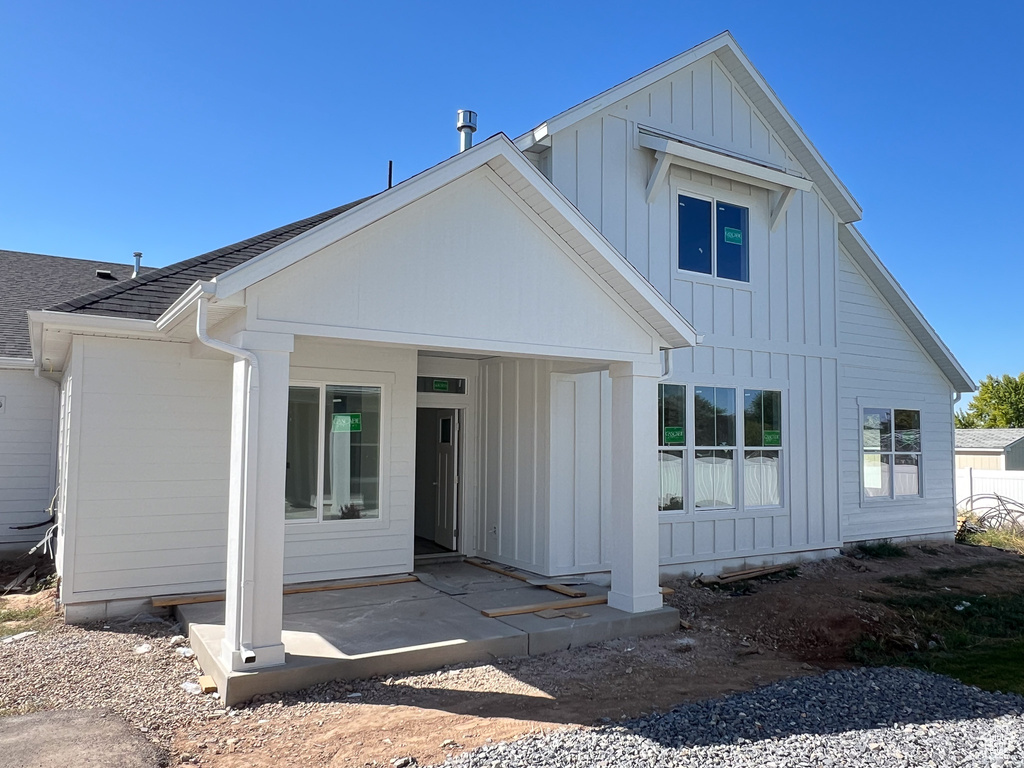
x: 713, y: 238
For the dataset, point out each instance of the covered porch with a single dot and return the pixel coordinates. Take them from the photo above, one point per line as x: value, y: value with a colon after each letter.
x: 415, y: 624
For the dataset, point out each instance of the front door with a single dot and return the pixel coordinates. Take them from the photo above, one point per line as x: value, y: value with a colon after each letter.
x: 437, y: 479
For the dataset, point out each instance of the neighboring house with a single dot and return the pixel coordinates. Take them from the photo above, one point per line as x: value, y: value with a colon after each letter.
x: 28, y: 401
x: 643, y: 338
x: 990, y: 449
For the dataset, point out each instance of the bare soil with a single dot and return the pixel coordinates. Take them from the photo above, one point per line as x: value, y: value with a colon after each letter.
x: 733, y: 638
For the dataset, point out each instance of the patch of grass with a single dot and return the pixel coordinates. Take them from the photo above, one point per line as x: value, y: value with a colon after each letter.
x: 20, y: 614
x: 979, y: 640
x: 883, y: 548
x: 924, y: 582
x: 998, y: 538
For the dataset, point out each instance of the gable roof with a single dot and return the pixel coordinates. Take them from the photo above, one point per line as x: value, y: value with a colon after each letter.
x: 754, y: 86
x: 149, y: 295
x: 988, y: 439
x: 865, y: 258
x: 530, y: 185
x: 34, y: 281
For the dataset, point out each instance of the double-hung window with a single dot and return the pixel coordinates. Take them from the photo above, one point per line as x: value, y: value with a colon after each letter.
x: 714, y: 449
x: 332, y: 469
x: 892, y: 453
x: 671, y: 446
x: 762, y: 432
x: 713, y: 238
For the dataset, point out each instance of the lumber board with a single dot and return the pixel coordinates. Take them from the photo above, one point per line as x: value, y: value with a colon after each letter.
x: 559, y: 588
x: 728, y: 578
x: 557, y: 605
x: 216, y: 597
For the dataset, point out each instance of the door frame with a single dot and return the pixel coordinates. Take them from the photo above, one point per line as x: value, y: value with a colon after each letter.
x: 466, y: 405
x: 459, y: 441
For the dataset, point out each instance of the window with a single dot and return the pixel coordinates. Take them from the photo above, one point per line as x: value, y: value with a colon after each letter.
x: 713, y: 238
x: 892, y: 453
x: 714, y: 455
x: 762, y: 429
x: 671, y: 442
x: 332, y: 469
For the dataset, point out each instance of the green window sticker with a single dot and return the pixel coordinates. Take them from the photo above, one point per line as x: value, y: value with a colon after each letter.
x: 733, y: 236
x: 440, y: 385
x: 674, y: 436
x: 772, y: 437
x: 347, y: 422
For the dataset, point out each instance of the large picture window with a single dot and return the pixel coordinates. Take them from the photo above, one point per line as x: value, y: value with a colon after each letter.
x: 332, y: 469
x: 671, y: 446
x: 891, y: 439
x: 713, y: 238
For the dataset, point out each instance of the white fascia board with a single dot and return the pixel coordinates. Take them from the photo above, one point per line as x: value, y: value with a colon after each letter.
x: 621, y: 91
x: 16, y: 363
x: 41, y: 320
x: 753, y: 173
x: 853, y: 241
x: 234, y: 281
x: 753, y: 85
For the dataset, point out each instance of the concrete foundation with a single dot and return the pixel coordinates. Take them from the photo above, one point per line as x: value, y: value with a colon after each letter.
x: 397, y: 628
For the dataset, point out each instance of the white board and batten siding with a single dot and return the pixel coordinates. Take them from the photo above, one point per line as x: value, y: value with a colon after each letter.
x: 28, y: 440
x: 779, y: 331
x: 883, y: 366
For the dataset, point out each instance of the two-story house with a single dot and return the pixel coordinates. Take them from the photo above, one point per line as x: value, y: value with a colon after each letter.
x: 643, y: 338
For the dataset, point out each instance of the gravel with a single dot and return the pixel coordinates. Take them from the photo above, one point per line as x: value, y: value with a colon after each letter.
x: 878, y: 717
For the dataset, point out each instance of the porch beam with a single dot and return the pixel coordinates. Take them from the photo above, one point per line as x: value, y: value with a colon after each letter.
x: 635, y: 567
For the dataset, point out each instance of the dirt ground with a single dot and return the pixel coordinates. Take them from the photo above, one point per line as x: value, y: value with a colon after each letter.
x: 732, y: 639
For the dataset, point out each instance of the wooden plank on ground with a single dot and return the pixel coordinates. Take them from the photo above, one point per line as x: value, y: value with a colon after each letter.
x: 216, y: 597
x: 558, y: 605
x: 728, y: 578
x: 559, y: 588
x: 207, y: 684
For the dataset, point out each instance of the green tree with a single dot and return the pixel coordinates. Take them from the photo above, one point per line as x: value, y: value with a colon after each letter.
x: 999, y: 403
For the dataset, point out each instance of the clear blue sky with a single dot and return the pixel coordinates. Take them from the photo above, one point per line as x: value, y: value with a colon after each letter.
x: 174, y: 128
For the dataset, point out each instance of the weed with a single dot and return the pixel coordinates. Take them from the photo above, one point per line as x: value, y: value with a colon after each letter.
x: 883, y: 548
x: 977, y: 639
x: 20, y: 614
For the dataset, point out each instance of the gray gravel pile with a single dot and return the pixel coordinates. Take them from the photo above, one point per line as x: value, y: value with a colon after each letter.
x: 878, y: 717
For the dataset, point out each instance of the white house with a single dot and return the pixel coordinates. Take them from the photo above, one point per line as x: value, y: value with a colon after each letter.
x: 28, y: 401
x: 643, y: 338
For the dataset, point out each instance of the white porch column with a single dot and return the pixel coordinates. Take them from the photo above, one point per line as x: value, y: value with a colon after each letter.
x: 255, y: 556
x: 635, y: 585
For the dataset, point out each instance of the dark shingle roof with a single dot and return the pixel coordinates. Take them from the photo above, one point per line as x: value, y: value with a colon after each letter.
x: 987, y: 438
x: 149, y: 296
x: 32, y: 281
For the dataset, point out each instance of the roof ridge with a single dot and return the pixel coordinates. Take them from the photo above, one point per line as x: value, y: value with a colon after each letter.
x: 66, y: 258
x: 123, y: 286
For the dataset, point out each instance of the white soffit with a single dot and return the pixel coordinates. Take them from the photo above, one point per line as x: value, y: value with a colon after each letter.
x: 865, y: 258
x: 532, y: 187
x: 757, y: 90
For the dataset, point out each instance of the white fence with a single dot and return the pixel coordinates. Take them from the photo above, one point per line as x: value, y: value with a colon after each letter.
x: 971, y: 482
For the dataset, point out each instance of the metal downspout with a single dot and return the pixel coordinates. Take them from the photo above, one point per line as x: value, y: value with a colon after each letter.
x: 244, y: 608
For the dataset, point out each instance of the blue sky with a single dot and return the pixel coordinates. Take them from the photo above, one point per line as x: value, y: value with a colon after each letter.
x: 176, y: 128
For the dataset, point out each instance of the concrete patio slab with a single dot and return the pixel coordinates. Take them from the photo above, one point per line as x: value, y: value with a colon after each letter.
x: 409, y: 627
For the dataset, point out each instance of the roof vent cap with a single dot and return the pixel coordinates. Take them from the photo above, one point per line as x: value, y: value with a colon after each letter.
x: 466, y: 126
x: 105, y: 274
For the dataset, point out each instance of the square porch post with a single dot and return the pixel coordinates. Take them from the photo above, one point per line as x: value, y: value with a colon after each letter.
x: 635, y: 585
x: 253, y: 615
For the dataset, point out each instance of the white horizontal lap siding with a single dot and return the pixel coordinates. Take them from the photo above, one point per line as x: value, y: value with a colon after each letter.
x: 151, y: 465
x: 334, y: 550
x: 883, y: 366
x: 513, y: 473
x: 27, y: 454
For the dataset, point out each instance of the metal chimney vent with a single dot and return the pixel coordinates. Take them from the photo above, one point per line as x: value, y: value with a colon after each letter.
x: 467, y: 127
x: 138, y: 263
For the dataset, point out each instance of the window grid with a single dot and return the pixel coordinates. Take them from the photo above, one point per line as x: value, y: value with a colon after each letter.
x: 891, y: 453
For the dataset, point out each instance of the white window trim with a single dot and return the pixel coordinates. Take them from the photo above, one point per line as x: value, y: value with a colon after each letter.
x: 892, y: 498
x: 689, y: 510
x: 383, y: 457
x: 751, y: 202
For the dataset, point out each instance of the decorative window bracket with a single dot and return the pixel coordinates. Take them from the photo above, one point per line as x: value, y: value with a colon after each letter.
x: 669, y: 151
